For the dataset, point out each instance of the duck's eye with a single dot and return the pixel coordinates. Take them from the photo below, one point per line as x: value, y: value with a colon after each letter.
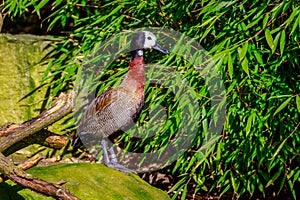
x: 149, y: 38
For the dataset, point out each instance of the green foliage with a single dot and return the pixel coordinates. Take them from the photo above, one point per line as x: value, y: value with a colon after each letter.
x: 254, y: 44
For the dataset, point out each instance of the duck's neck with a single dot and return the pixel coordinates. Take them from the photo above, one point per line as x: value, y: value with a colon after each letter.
x: 135, y: 78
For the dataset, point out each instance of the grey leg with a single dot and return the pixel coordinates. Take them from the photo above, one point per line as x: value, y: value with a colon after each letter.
x: 113, y: 155
x: 105, y: 155
x: 114, y: 162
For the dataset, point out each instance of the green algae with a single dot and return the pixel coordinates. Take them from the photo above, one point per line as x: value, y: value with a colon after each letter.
x: 88, y: 181
x: 20, y: 75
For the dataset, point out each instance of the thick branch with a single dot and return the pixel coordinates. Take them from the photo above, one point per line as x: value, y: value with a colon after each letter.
x: 24, y: 179
x: 17, y: 133
x: 43, y: 137
x: 31, y: 162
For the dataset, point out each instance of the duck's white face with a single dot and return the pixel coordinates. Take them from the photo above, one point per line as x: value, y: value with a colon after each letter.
x: 150, y: 40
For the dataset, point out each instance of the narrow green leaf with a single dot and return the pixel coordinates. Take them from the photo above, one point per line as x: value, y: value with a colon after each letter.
x: 298, y: 103
x: 177, y: 192
x: 279, y: 96
x: 265, y: 20
x: 219, y: 151
x: 242, y: 51
x: 279, y: 149
x: 269, y: 38
x: 296, y: 24
x: 273, y: 163
x: 233, y: 182
x: 282, y: 183
x: 225, y: 190
x: 230, y: 66
x: 39, y: 6
x: 296, y: 176
x: 276, y: 42
x: 178, y: 185
x: 260, y: 185
x: 282, y: 106
x: 292, y: 188
x: 250, y: 121
x: 264, y: 175
x: 184, y: 192
x: 58, y: 2
x: 291, y: 18
x: 245, y: 66
x: 274, y: 178
x: 258, y: 57
x: 282, y: 42
x: 208, y: 21
x: 254, y: 22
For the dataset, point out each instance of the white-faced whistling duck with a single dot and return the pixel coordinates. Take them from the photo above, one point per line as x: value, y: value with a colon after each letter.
x: 115, y: 109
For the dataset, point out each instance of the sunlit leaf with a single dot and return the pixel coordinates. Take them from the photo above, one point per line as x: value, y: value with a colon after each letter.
x: 269, y: 38
x: 245, y: 66
x: 230, y: 66
x: 40, y: 5
x: 298, y: 103
x: 282, y: 42
x: 274, y: 178
x: 282, y: 106
x: 265, y: 20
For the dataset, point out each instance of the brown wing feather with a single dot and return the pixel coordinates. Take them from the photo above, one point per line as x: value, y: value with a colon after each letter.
x: 98, y: 104
x: 113, y: 110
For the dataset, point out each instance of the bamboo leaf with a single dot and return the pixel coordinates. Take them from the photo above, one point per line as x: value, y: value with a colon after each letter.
x: 258, y: 57
x: 269, y: 38
x: 274, y: 178
x: 245, y: 66
x: 292, y: 188
x: 282, y: 182
x: 230, y: 65
x: 296, y: 25
x: 178, y: 185
x: 250, y: 121
x: 242, y: 51
x: 282, y: 106
x: 276, y: 42
x: 291, y: 18
x: 184, y: 192
x: 39, y: 6
x: 282, y: 42
x: 208, y: 21
x: 298, y: 103
x: 260, y: 185
x: 265, y: 20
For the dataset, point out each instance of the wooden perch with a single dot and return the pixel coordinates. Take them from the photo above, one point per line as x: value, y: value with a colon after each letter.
x: 31, y: 162
x: 15, y: 136
x: 17, y: 175
x: 18, y: 133
x: 43, y: 137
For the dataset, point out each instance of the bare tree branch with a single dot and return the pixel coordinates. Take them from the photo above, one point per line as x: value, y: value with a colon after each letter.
x: 43, y: 137
x: 31, y: 162
x: 17, y: 175
x: 15, y: 137
x: 17, y: 133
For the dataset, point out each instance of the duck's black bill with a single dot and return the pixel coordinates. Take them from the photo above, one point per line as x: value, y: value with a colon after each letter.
x: 160, y: 49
